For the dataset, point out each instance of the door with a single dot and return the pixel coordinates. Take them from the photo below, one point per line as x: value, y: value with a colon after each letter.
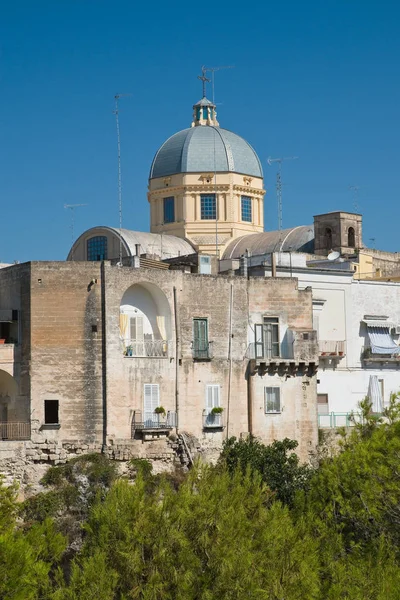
x: 212, y: 401
x: 200, y: 338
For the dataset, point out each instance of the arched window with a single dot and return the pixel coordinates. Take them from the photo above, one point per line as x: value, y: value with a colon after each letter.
x: 351, y: 238
x: 328, y: 237
x: 97, y: 248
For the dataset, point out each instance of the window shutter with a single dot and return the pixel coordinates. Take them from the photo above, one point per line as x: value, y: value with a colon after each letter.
x: 137, y: 328
x: 259, y: 341
x: 212, y: 397
x: 151, y: 399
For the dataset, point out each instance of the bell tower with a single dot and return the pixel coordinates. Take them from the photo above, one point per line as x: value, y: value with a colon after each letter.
x: 339, y: 231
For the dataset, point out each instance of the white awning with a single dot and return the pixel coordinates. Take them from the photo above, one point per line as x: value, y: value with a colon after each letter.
x: 376, y: 323
x: 375, y: 395
x: 381, y: 341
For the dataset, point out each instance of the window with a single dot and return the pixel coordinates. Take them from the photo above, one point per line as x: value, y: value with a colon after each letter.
x: 51, y: 412
x: 205, y: 265
x: 272, y: 400
x: 205, y: 114
x: 328, y: 238
x: 351, y: 238
x: 151, y: 401
x: 208, y: 206
x: 246, y: 209
x: 169, y: 210
x: 212, y: 419
x: 136, y: 346
x: 267, y: 338
x: 97, y: 248
x: 200, y: 338
x: 323, y: 404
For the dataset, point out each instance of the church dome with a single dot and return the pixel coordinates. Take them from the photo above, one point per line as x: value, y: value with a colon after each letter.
x: 207, y: 148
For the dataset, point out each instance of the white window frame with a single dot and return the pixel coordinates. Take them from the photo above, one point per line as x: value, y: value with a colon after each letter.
x: 266, y: 391
x: 217, y: 403
x: 155, y: 401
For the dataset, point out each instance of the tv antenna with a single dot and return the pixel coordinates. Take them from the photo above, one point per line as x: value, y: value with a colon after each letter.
x: 116, y: 113
x: 279, y: 184
x: 212, y: 71
x: 355, y: 189
x: 72, y: 208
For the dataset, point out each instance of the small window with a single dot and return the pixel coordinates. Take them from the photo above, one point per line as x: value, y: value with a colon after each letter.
x: 246, y: 209
x: 323, y: 404
x: 272, y: 400
x: 205, y: 265
x: 169, y: 210
x: 51, y: 412
x: 97, y: 248
x: 208, y: 206
x: 328, y: 238
x: 205, y: 113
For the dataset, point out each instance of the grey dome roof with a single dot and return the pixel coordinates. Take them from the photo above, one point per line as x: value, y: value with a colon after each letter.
x: 205, y: 149
x: 297, y: 239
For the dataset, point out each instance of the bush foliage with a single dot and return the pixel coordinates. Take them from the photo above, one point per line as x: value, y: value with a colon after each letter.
x: 258, y: 525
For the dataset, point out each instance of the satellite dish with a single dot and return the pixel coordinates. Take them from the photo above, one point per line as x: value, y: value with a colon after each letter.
x: 333, y: 255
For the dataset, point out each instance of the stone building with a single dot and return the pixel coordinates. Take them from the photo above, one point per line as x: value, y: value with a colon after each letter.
x: 93, y: 350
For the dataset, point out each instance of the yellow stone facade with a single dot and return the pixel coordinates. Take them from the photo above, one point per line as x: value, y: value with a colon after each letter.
x: 186, y: 189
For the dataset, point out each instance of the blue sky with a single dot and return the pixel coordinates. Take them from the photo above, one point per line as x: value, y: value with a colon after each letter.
x: 318, y: 80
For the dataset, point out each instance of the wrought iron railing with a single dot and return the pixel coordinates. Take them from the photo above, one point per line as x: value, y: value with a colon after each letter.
x: 143, y: 420
x: 146, y: 348
x: 202, y: 350
x: 331, y: 348
x: 14, y: 431
x: 212, y: 420
x: 256, y: 350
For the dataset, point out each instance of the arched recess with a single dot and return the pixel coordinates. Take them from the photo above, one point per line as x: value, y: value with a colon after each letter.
x: 145, y: 321
x: 328, y: 238
x: 351, y: 238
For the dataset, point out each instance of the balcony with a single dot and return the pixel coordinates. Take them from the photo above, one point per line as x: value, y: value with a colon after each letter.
x: 369, y: 357
x: 298, y: 352
x: 15, y: 431
x: 212, y: 420
x: 330, y: 349
x: 202, y: 350
x: 153, y: 423
x: 147, y: 349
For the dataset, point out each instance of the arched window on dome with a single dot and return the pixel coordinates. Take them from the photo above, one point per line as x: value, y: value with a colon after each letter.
x: 97, y: 248
x: 205, y: 112
x: 351, y: 237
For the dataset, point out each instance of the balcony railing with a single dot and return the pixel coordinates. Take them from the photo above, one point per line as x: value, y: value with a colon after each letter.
x: 342, y: 419
x: 143, y: 421
x: 372, y: 357
x: 202, y: 350
x: 14, y: 431
x: 212, y: 420
x: 331, y: 348
x: 147, y: 348
x: 259, y: 351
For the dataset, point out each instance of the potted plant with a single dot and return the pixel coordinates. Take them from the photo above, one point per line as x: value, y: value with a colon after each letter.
x: 159, y: 410
x: 217, y: 410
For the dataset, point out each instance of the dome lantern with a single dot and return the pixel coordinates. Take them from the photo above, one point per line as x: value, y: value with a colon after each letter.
x: 204, y: 113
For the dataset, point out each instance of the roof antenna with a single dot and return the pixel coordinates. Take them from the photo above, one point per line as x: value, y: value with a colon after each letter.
x: 72, y: 208
x: 116, y: 113
x: 212, y: 71
x: 279, y: 183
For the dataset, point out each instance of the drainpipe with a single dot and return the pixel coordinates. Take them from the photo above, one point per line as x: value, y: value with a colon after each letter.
x: 103, y: 353
x: 230, y: 361
x: 273, y: 264
x: 177, y: 347
x: 250, y: 397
